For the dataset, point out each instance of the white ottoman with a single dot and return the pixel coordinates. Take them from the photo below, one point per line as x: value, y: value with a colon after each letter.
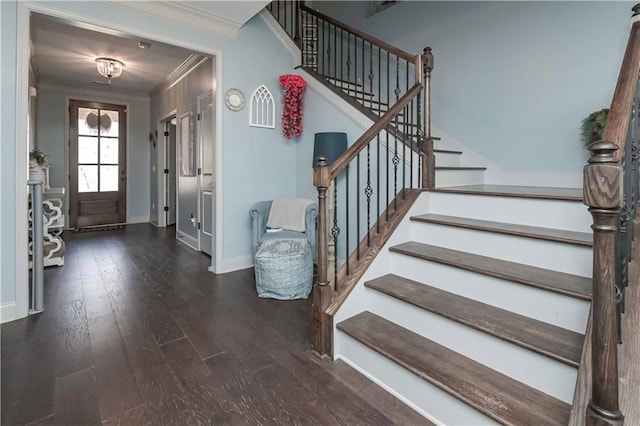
x: 284, y: 269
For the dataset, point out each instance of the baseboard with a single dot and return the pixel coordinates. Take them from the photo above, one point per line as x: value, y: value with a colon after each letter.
x: 154, y: 223
x: 187, y: 240
x: 138, y: 219
x: 8, y: 312
x: 236, y: 263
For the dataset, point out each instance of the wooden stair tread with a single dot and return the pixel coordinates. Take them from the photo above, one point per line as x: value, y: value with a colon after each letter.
x: 460, y: 168
x: 498, y: 396
x: 559, y: 282
x: 555, y: 342
x: 568, y: 194
x: 559, y: 235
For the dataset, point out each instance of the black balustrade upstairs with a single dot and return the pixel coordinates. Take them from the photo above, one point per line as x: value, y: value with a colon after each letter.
x: 362, y: 195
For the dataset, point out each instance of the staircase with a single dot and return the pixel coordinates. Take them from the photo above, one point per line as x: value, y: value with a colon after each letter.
x: 469, y: 302
x: 475, y: 311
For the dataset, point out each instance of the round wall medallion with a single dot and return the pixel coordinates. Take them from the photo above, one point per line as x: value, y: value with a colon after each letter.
x: 234, y: 99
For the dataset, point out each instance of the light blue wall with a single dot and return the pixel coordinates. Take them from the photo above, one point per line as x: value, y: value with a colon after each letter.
x: 258, y: 164
x: 512, y: 80
x: 7, y: 150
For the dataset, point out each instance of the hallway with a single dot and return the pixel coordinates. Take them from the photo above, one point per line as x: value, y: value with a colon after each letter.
x: 136, y: 331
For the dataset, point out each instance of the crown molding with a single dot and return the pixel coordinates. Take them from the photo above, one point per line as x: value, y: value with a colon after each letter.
x: 203, y: 20
x: 189, y: 64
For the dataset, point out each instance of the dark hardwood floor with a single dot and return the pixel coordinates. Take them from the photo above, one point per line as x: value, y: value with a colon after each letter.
x: 136, y: 331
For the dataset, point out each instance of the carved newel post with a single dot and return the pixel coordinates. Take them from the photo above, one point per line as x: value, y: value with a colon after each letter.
x: 603, y: 195
x: 428, y: 157
x: 322, y: 291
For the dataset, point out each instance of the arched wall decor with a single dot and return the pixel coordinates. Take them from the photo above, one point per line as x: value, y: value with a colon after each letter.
x: 263, y: 108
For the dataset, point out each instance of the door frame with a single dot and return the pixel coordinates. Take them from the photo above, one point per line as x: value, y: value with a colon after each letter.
x: 21, y: 226
x: 67, y: 151
x: 161, y: 160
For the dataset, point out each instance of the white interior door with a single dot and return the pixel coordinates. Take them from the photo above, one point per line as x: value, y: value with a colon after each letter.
x: 206, y: 132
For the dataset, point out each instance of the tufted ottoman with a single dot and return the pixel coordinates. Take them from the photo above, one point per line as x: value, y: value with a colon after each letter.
x: 284, y: 269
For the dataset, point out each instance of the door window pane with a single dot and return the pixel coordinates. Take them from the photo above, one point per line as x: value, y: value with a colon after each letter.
x: 87, y: 121
x: 108, y: 178
x: 87, y: 178
x: 109, y: 123
x: 109, y: 150
x: 87, y: 149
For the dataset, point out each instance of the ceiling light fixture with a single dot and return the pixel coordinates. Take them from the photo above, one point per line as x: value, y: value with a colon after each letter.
x: 110, y: 68
x: 144, y: 45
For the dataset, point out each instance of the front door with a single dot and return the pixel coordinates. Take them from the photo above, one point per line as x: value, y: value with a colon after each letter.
x: 97, y: 187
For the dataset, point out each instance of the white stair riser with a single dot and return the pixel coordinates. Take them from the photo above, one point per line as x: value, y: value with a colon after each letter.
x: 445, y: 159
x: 441, y: 407
x: 569, y: 258
x: 553, y: 308
x: 538, y: 371
x: 445, y: 178
x: 557, y: 214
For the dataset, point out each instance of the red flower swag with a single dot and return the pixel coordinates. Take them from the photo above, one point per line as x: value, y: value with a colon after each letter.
x: 294, y: 87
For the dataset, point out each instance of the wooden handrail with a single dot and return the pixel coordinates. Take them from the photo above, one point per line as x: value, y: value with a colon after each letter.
x: 620, y: 113
x: 377, y: 42
x: 342, y: 162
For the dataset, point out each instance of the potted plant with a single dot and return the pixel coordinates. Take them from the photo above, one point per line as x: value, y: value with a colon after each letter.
x: 593, y: 126
x: 37, y: 162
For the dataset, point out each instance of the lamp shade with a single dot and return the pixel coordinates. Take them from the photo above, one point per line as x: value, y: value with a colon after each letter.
x: 330, y: 145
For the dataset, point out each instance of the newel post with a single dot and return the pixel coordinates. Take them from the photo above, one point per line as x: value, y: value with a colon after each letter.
x: 428, y: 157
x: 321, y: 326
x: 603, y: 195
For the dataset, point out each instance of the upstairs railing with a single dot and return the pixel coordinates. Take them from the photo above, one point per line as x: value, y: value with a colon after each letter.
x: 364, y: 193
x: 611, y: 192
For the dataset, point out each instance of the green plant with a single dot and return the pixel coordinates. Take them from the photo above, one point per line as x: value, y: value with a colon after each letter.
x: 593, y: 126
x: 39, y: 157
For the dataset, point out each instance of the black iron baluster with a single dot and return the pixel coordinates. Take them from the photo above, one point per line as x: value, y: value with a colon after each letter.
x: 362, y: 81
x: 341, y: 54
x: 404, y: 153
x: 397, y: 91
x: 335, y: 52
x: 327, y: 73
x: 378, y: 182
x: 371, y: 75
x: 395, y: 161
x: 346, y: 192
x: 358, y: 207
x: 368, y: 191
x: 348, y: 56
x: 387, y: 164
x: 335, y: 230
x: 388, y: 82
